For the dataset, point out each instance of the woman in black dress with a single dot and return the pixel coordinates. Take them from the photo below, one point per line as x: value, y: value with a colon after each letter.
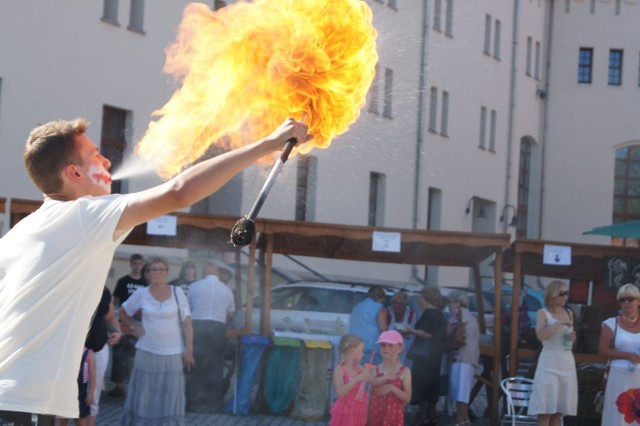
x: 426, y: 354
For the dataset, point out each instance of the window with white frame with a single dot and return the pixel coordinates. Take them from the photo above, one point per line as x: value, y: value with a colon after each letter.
x: 449, y: 23
x: 376, y: 199
x: 437, y: 15
x: 110, y: 11
x: 567, y: 6
x: 617, y: 7
x: 392, y: 4
x: 483, y: 128
x: 615, y: 67
x: 433, y: 109
x: 113, y: 140
x: 306, y: 188
x: 373, y: 93
x: 388, y: 93
x: 136, y: 17
x: 626, y: 184
x: 496, y: 40
x: 529, y: 53
x: 592, y: 6
x: 444, y: 114
x: 537, y: 61
x: 492, y: 130
x: 487, y: 34
x: 585, y: 64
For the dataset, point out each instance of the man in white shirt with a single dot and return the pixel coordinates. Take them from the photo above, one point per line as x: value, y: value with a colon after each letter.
x: 212, y: 305
x: 53, y: 264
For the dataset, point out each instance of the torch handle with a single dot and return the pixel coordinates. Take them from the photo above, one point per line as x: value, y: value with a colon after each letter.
x: 262, y: 196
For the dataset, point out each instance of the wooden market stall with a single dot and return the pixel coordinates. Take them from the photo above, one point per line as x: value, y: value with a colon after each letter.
x: 589, y: 263
x: 417, y: 247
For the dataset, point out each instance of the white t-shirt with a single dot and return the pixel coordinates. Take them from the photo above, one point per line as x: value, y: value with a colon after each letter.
x: 53, y: 266
x: 162, y: 331
x: 211, y: 299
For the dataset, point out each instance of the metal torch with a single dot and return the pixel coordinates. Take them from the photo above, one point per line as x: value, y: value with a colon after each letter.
x: 245, y: 228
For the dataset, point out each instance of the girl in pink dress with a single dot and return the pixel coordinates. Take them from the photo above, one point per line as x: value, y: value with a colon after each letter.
x: 350, y: 409
x: 391, y: 384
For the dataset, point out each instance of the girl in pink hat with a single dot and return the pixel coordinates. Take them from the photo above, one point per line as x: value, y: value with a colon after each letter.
x: 391, y: 385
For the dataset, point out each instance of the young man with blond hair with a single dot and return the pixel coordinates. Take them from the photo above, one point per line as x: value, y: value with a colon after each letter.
x: 53, y: 263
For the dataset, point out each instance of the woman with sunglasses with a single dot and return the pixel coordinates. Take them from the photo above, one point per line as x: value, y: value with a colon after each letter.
x: 620, y: 344
x: 555, y: 384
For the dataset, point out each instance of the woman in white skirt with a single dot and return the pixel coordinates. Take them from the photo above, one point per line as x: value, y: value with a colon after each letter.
x: 555, y: 383
x: 165, y: 347
x: 620, y: 344
x: 464, y: 360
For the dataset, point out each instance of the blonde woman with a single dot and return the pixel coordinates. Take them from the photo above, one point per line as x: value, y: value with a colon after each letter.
x: 555, y: 384
x: 620, y: 343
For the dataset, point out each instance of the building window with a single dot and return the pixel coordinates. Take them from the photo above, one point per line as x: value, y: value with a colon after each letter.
x: 483, y: 128
x: 638, y: 70
x: 567, y: 5
x: 392, y: 4
x: 136, y: 18
x: 617, y: 7
x: 492, y: 131
x: 113, y: 140
x: 449, y: 24
x: 487, y: 34
x: 437, y: 15
x: 496, y: 40
x: 373, y: 93
x: 626, y: 192
x: 110, y: 11
x: 219, y: 4
x: 376, y: 199
x: 529, y: 53
x: 537, y: 61
x: 388, y: 93
x: 306, y: 188
x: 524, y: 178
x: 615, y: 67
x: 592, y: 6
x: 433, y: 109
x: 444, y: 117
x: 585, y: 64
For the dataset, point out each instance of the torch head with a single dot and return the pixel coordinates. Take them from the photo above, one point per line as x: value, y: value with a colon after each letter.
x: 243, y: 232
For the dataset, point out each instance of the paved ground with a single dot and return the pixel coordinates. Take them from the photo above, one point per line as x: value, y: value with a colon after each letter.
x: 110, y: 412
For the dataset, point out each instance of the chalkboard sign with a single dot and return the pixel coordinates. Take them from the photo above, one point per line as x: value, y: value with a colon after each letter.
x: 620, y: 271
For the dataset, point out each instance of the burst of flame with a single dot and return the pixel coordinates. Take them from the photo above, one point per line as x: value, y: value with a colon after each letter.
x: 245, y: 68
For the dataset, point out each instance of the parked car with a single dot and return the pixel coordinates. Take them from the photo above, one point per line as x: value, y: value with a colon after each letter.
x: 313, y: 307
x: 533, y: 299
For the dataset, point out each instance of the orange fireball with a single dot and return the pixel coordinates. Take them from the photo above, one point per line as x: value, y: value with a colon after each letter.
x: 248, y: 66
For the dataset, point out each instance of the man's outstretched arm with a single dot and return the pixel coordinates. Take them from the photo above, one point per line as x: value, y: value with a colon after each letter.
x: 205, y: 178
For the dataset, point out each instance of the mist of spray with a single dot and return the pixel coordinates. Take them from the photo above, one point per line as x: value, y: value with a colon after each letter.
x: 133, y: 166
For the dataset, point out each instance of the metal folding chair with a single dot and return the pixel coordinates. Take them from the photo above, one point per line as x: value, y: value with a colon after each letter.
x: 518, y: 392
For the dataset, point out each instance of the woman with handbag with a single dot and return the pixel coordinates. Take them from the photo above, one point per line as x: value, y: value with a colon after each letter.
x: 463, y: 340
x: 620, y: 344
x: 164, y: 348
x: 426, y: 354
x: 555, y: 383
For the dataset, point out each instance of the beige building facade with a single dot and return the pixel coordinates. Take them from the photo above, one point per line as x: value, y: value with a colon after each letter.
x: 480, y: 111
